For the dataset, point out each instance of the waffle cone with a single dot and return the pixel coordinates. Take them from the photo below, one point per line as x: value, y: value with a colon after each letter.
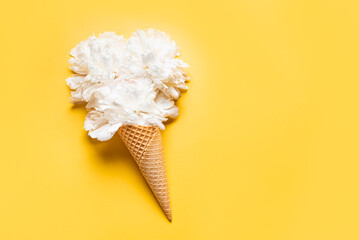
x: 146, y: 147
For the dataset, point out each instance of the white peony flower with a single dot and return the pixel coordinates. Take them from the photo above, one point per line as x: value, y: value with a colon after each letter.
x: 96, y: 61
x: 152, y: 54
x: 124, y: 83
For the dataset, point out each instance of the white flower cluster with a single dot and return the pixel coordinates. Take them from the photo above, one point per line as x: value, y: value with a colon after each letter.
x: 132, y: 82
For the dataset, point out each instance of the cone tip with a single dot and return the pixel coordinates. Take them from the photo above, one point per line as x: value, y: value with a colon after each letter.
x: 169, y: 217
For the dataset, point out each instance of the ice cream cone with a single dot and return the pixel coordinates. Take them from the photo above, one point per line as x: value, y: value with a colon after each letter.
x: 146, y: 147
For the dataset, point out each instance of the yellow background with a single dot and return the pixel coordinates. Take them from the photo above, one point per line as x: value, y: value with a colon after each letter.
x: 265, y: 147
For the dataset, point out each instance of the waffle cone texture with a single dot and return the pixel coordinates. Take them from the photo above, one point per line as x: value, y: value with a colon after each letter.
x: 146, y: 147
